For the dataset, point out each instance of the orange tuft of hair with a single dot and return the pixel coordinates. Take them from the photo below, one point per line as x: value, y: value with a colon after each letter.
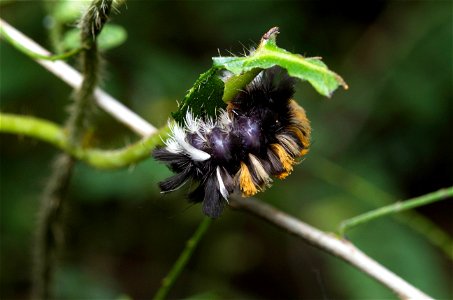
x: 246, y: 183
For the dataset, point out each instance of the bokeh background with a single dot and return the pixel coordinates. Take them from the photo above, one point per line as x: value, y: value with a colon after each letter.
x: 388, y: 137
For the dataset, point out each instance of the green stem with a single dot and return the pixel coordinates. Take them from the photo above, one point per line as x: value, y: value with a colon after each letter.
x: 56, y: 136
x: 34, y: 127
x: 363, y: 189
x: 237, y: 82
x: 183, y: 259
x: 395, y: 208
x: 35, y: 55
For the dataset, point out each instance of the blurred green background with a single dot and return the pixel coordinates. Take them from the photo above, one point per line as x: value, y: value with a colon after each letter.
x: 389, y: 134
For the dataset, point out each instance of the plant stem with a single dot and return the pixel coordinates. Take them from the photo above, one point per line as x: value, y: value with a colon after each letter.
x: 33, y: 127
x: 36, y: 55
x: 33, y: 54
x: 74, y: 79
x: 50, y: 232
x: 237, y: 82
x: 395, y: 208
x: 56, y: 136
x: 183, y: 259
x: 331, y: 244
x: 365, y: 190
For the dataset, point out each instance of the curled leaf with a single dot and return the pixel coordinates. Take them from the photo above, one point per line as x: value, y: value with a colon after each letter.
x: 268, y: 54
x: 204, y: 98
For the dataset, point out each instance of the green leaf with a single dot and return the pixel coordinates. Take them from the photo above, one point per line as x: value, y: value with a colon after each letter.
x: 110, y: 37
x: 210, y: 93
x: 268, y: 54
x: 204, y: 98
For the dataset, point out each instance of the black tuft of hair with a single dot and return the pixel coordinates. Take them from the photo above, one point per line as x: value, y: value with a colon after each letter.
x: 260, y: 135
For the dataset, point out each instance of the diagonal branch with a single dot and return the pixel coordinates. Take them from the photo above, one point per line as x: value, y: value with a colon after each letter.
x: 331, y: 244
x: 74, y: 79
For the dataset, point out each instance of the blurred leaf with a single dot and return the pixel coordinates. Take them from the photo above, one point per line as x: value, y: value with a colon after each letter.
x: 204, y: 98
x: 68, y: 11
x: 111, y: 36
x: 268, y: 55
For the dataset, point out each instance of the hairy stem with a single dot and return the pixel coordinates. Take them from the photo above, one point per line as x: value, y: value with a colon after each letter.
x: 49, y: 233
x: 50, y: 230
x: 183, y: 259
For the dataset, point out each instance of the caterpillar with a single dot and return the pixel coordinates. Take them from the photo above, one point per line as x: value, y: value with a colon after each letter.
x: 261, y: 134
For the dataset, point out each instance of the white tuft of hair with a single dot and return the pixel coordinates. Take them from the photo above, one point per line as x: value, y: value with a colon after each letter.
x: 191, y: 122
x: 259, y: 169
x: 222, y: 187
x: 207, y: 126
x: 173, y: 146
x: 288, y: 143
x: 179, y: 135
x: 224, y: 120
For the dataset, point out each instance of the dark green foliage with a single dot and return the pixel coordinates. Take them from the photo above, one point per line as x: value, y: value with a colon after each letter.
x: 204, y: 98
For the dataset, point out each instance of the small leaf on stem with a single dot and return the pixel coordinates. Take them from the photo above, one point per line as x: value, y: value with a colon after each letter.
x: 268, y: 54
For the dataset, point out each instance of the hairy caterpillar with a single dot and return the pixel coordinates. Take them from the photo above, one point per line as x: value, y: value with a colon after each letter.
x: 262, y: 134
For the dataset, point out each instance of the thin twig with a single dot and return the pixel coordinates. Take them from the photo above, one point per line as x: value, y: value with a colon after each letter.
x: 395, y: 208
x: 19, y: 46
x: 183, y: 259
x: 74, y: 79
x: 369, y: 192
x: 331, y: 244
